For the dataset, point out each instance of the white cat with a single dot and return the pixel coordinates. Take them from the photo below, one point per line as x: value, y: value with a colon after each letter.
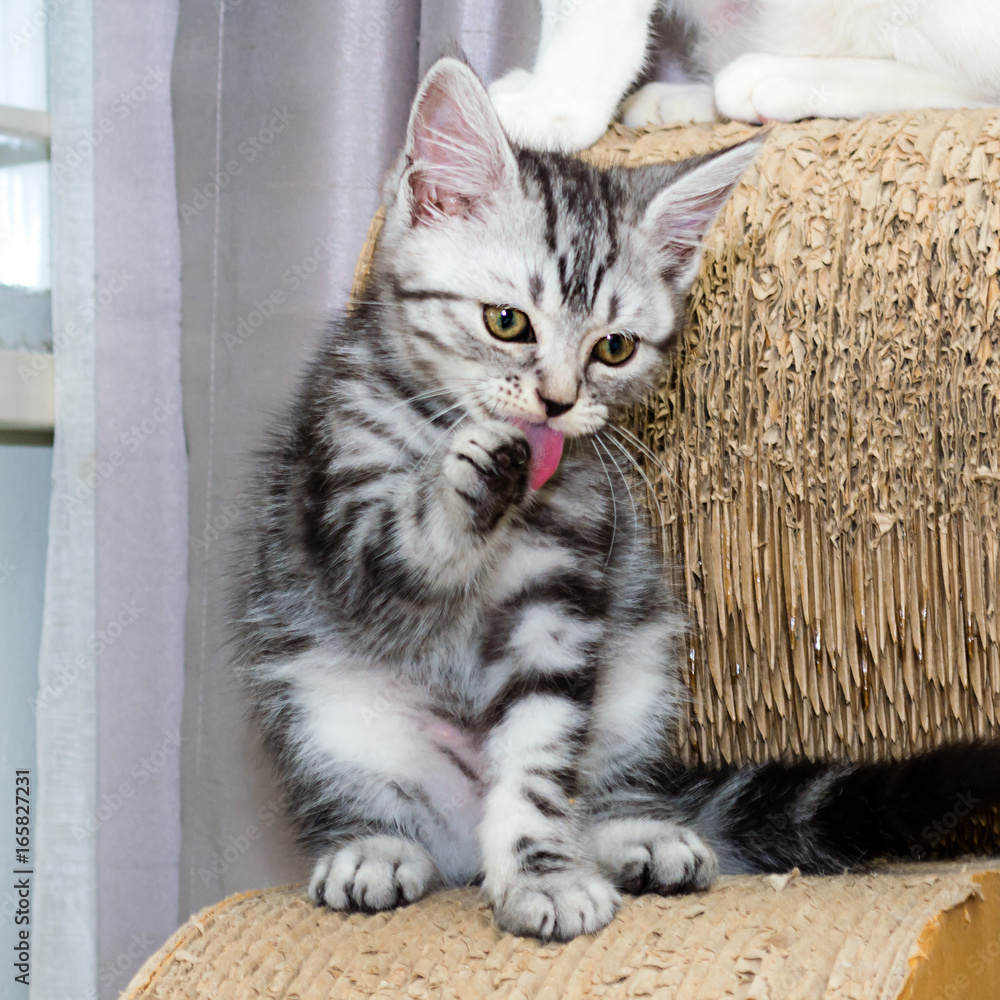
x: 779, y: 60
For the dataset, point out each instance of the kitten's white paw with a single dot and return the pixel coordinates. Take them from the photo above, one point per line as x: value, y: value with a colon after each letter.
x: 647, y: 855
x: 758, y: 87
x: 487, y: 466
x: 534, y: 115
x: 556, y: 906
x: 663, y: 103
x: 513, y: 83
x: 372, y: 873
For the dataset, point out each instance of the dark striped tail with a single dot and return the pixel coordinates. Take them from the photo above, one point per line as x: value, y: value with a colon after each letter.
x: 827, y: 817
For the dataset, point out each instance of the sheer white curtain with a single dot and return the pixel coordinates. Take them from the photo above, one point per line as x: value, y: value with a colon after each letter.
x: 107, y: 822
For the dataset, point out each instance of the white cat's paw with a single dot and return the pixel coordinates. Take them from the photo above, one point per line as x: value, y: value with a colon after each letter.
x: 663, y: 103
x: 372, y: 873
x: 534, y: 115
x: 487, y: 466
x: 758, y: 87
x: 556, y: 906
x: 513, y: 83
x: 647, y: 855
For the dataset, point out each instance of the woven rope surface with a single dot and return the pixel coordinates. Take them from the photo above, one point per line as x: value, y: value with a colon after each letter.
x: 789, y: 938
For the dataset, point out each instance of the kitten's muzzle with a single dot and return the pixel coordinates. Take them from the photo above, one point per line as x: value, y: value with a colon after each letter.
x: 555, y: 408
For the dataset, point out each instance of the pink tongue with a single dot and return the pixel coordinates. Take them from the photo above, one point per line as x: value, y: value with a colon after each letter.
x: 546, y: 451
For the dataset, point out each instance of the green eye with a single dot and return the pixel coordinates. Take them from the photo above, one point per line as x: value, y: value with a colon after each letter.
x: 615, y: 348
x: 508, y: 323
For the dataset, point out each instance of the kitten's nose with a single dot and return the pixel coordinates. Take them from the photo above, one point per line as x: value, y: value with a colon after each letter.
x: 553, y: 408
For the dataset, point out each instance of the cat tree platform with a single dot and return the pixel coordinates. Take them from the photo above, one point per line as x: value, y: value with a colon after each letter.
x: 926, y: 932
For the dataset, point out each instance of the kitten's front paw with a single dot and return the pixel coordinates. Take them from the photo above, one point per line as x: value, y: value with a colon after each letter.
x: 372, y: 873
x: 533, y: 114
x: 487, y: 467
x: 663, y: 103
x: 647, y: 855
x: 557, y: 906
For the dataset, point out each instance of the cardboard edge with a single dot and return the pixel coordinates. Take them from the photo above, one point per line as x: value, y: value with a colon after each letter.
x: 957, y: 955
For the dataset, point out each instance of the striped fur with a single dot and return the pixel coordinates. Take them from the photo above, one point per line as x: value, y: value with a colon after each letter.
x: 462, y: 678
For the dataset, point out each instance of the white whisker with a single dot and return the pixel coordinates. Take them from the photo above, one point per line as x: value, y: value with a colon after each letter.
x: 614, y: 503
x: 632, y: 439
x: 628, y: 489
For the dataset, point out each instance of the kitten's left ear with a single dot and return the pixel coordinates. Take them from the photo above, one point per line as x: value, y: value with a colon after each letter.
x: 456, y: 149
x: 678, y: 218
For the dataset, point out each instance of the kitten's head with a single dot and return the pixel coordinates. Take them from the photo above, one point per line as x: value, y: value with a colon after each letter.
x: 533, y: 287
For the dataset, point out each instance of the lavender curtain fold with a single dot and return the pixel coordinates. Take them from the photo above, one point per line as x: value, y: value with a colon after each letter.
x: 141, y: 514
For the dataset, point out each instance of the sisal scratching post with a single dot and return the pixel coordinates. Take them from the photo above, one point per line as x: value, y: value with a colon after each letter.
x: 911, y: 934
x: 828, y: 487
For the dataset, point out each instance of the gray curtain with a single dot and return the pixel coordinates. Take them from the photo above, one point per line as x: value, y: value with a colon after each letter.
x: 141, y: 514
x: 111, y: 666
x: 286, y: 116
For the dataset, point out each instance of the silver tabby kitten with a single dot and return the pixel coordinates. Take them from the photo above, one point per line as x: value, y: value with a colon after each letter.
x: 459, y: 648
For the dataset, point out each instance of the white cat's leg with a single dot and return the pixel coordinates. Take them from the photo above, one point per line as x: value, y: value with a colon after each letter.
x: 762, y: 87
x: 591, y: 52
x: 663, y: 103
x: 634, y: 843
x: 538, y: 873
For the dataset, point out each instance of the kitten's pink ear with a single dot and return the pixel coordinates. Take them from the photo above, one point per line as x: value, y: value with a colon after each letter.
x: 456, y: 148
x: 678, y: 218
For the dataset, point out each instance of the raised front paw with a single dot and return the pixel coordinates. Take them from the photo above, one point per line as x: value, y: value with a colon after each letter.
x: 487, y: 467
x: 649, y: 855
x: 556, y: 906
x: 372, y: 873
